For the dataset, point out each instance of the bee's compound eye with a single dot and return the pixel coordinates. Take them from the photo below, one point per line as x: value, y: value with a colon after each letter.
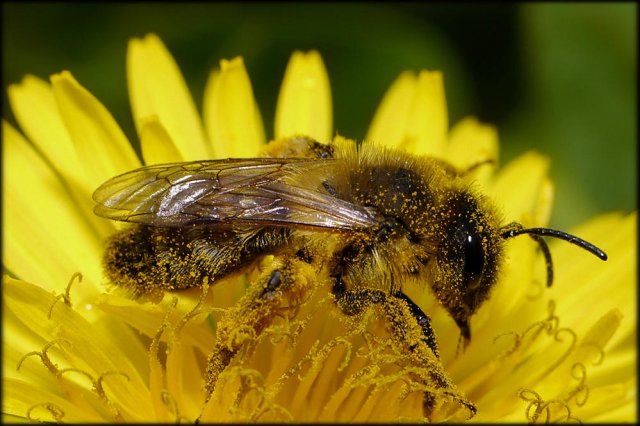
x: 473, y: 259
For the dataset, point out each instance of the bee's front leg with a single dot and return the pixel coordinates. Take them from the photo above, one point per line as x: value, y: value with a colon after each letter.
x: 423, y: 320
x: 400, y: 311
x: 352, y: 302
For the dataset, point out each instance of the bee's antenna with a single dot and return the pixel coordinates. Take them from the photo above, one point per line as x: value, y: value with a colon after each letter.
x: 514, y: 229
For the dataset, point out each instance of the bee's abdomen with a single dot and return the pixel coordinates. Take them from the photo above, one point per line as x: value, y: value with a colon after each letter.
x: 146, y: 260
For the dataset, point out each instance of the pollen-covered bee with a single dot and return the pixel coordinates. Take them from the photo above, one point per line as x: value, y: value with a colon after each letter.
x: 374, y: 219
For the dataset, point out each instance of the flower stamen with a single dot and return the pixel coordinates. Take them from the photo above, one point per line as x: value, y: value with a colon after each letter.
x: 540, y: 290
x: 321, y: 355
x: 77, y: 370
x: 266, y: 403
x: 96, y: 386
x: 155, y: 342
x: 248, y: 381
x: 579, y: 372
x: 157, y: 374
x: 55, y: 411
x: 540, y: 406
x: 289, y: 330
x: 99, y: 386
x: 574, y: 339
x: 203, y: 294
x: 65, y: 296
x: 44, y: 356
x: 549, y: 326
x: 196, y: 310
x: 580, y: 394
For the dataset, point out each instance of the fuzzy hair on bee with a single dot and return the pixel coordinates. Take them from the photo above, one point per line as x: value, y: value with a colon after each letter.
x: 373, y: 219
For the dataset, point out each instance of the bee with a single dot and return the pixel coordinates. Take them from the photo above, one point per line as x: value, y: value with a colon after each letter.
x: 372, y: 219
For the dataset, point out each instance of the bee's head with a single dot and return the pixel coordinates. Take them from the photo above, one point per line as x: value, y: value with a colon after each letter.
x: 470, y: 251
x: 468, y: 256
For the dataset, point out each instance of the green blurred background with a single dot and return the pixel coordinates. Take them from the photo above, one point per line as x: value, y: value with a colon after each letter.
x: 558, y: 78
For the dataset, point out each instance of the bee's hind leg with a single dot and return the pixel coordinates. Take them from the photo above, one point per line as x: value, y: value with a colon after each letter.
x: 275, y: 292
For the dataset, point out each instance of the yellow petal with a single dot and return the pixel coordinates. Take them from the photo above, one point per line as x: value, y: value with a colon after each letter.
x: 156, y: 87
x: 231, y: 115
x: 413, y: 115
x: 156, y: 144
x: 35, y: 109
x: 46, y: 238
x: 471, y: 143
x: 518, y: 186
x: 183, y: 371
x: 304, y: 104
x: 99, y: 141
x: 589, y: 279
x: 390, y: 120
x: 616, y: 403
x: 149, y: 318
x: 23, y: 399
x: 544, y: 203
x: 428, y: 122
x: 599, y: 335
x: 90, y: 347
x: 37, y: 112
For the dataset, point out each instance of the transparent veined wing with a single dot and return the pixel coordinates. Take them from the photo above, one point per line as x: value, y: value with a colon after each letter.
x: 259, y: 191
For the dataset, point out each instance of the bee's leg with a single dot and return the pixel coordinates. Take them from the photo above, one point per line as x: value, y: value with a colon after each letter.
x: 399, y: 310
x: 244, y: 321
x: 423, y: 320
x: 275, y: 288
x: 352, y: 302
x: 437, y: 376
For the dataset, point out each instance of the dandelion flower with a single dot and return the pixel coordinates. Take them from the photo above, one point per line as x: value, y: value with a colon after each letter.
x: 76, y: 352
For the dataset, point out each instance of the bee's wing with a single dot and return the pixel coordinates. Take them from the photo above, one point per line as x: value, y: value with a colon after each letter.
x: 257, y: 191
